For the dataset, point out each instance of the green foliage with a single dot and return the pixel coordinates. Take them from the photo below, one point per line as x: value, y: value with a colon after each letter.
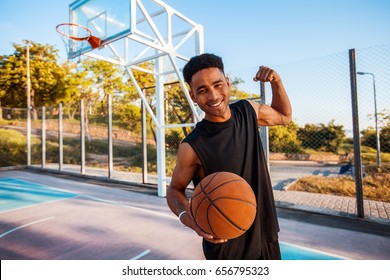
x: 127, y: 116
x: 369, y: 134
x: 385, y: 138
x: 369, y: 137
x: 47, y: 77
x: 173, y: 139
x: 235, y: 92
x: 283, y: 139
x: 322, y: 137
x: 13, y: 148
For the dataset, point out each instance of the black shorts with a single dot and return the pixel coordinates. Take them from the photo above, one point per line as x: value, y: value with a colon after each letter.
x: 270, y: 250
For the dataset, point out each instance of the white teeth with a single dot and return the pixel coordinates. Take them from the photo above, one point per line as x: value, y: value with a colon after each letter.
x: 215, y: 105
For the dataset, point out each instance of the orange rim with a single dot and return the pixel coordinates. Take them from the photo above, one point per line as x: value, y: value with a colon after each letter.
x: 74, y: 37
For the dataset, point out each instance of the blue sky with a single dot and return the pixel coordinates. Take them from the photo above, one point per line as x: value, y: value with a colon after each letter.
x: 277, y: 31
x: 246, y: 33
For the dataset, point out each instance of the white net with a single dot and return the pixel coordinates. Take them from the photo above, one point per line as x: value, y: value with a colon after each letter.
x: 75, y: 38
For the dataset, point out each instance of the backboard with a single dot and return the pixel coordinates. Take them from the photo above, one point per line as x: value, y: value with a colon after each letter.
x: 107, y: 20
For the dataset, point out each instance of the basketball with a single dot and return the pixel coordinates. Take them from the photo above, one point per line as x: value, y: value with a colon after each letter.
x: 223, y: 205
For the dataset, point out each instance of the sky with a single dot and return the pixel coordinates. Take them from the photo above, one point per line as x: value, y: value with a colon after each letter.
x: 277, y: 31
x: 246, y: 33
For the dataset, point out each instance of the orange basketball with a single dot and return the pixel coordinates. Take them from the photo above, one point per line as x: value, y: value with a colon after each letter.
x: 223, y: 205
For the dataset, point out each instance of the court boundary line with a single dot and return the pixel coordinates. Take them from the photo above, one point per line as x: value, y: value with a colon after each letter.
x: 29, y: 183
x: 129, y: 206
x: 140, y: 255
x: 39, y: 184
x: 25, y: 225
x: 38, y: 204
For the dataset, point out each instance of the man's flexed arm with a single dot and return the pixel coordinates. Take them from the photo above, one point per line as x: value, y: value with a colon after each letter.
x: 280, y: 111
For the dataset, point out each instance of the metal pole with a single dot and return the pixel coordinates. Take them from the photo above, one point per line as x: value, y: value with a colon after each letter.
x: 43, y: 136
x: 264, y: 129
x: 60, y: 139
x: 144, y: 144
x: 356, y: 136
x: 27, y: 42
x: 161, y: 165
x: 82, y: 137
x: 378, y: 146
x: 377, y: 137
x: 110, y: 149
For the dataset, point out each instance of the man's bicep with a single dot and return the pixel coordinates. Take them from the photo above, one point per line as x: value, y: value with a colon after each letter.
x: 266, y: 115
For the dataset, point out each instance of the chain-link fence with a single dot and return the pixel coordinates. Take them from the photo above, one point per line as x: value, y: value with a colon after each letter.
x: 318, y: 143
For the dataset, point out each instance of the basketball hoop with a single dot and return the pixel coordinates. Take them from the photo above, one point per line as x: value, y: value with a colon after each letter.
x: 75, y: 38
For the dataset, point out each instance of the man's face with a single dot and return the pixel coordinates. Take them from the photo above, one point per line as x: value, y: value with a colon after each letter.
x: 210, y: 89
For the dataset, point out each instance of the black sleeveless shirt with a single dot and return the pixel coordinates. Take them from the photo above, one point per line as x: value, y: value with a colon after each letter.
x: 234, y: 146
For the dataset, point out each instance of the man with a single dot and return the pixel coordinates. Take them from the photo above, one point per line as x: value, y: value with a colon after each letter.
x: 227, y: 139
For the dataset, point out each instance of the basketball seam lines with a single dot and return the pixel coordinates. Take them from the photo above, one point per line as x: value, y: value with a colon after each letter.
x: 211, y: 203
x: 223, y: 214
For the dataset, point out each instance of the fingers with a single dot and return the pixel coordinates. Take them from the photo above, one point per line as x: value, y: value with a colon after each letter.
x: 266, y: 74
x: 209, y: 237
x: 214, y: 240
x: 200, y: 232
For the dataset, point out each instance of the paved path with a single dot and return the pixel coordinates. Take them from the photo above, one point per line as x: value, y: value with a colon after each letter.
x: 332, y: 205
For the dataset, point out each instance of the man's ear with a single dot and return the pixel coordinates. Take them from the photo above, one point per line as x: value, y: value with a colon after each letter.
x: 227, y: 80
x: 192, y: 95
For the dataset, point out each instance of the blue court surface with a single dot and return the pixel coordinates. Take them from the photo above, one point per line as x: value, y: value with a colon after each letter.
x: 294, y: 252
x: 71, y: 219
x: 16, y: 193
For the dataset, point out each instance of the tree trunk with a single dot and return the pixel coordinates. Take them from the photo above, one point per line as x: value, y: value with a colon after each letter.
x: 34, y: 113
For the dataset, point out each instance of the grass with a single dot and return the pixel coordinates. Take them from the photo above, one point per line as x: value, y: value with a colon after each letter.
x: 376, y: 185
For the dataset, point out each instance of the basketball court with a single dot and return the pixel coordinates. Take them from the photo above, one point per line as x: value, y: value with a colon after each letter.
x: 49, y: 217
x: 61, y: 217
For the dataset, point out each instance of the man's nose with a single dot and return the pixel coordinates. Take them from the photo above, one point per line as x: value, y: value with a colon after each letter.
x: 213, y: 94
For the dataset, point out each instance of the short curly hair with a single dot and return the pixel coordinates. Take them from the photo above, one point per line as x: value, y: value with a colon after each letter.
x: 200, y: 62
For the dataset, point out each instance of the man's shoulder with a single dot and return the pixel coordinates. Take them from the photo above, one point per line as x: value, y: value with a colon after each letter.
x: 193, y: 134
x: 242, y: 105
x: 239, y: 103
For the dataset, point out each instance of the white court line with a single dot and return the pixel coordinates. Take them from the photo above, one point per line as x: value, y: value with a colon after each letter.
x: 144, y: 253
x: 26, y: 225
x: 132, y: 207
x: 37, y: 204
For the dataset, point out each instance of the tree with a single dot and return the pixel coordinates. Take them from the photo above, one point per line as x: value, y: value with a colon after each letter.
x: 283, y: 139
x: 126, y: 108
x: 322, y: 137
x: 47, y: 77
x: 78, y: 85
x: 235, y: 92
x: 179, y: 110
x: 369, y: 134
x: 385, y: 138
x: 369, y: 137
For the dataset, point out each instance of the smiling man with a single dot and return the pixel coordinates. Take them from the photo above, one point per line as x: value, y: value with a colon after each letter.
x: 227, y: 139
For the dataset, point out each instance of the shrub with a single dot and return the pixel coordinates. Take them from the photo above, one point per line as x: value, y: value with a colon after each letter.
x: 13, y: 148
